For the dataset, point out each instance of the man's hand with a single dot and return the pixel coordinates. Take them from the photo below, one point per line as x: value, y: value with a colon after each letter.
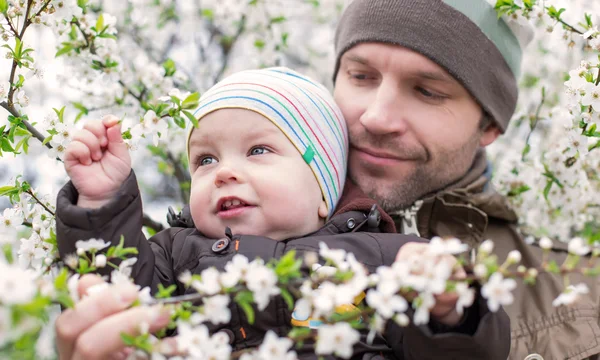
x: 98, y: 161
x: 444, y: 310
x: 93, y: 328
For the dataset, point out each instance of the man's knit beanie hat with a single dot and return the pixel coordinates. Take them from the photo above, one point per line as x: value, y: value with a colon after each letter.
x: 465, y: 37
x: 301, y: 108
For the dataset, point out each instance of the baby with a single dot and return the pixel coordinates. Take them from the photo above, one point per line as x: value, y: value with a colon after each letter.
x: 268, y: 162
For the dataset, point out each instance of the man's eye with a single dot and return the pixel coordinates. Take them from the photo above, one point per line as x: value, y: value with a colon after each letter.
x: 428, y: 94
x: 359, y: 76
x: 206, y: 160
x: 258, y: 150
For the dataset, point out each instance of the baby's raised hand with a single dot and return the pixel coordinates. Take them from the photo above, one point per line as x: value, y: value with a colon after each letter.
x: 98, y: 161
x: 444, y: 310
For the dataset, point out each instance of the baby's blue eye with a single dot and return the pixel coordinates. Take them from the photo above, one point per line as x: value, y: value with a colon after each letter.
x: 258, y: 150
x: 207, y: 160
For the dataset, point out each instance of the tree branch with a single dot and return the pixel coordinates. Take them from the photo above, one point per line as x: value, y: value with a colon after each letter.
x: 227, y: 49
x: 38, y: 135
x: 39, y: 202
x: 181, y: 175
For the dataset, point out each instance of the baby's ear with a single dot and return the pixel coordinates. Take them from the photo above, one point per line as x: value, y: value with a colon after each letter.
x: 323, y: 210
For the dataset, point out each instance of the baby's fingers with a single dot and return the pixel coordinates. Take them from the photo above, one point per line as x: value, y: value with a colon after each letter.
x: 77, y: 153
x: 90, y: 140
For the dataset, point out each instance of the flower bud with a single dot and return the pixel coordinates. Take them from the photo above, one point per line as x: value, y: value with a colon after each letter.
x: 100, y: 261
x: 486, y: 247
x: 545, y: 243
x: 480, y: 271
x: 514, y: 257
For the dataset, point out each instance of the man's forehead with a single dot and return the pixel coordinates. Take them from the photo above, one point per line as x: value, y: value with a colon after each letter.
x: 397, y: 58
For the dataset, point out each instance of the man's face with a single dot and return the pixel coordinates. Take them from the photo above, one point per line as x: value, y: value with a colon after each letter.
x: 413, y: 128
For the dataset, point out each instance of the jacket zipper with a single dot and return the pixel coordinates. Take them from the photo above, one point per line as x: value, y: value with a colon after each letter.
x: 409, y: 218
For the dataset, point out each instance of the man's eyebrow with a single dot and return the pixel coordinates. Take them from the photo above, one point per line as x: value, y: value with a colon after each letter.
x: 435, y: 76
x: 357, y: 59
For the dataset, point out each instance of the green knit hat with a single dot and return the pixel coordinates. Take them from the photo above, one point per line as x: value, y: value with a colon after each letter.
x: 465, y: 37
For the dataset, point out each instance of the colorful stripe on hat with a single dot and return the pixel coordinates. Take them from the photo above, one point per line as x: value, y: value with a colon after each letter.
x: 304, y: 111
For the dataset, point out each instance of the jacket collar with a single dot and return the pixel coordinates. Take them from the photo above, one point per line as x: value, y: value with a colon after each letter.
x: 463, y: 209
x: 460, y: 210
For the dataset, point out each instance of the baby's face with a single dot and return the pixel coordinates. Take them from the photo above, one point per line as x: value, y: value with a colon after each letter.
x: 247, y: 175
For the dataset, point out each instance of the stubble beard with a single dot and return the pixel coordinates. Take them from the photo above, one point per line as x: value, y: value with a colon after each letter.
x: 425, y: 178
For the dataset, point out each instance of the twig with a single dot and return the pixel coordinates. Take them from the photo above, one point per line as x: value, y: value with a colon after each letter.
x: 180, y: 174
x: 39, y: 202
x: 38, y: 135
x: 227, y: 50
x: 569, y: 27
x: 598, y: 79
x: 537, y: 118
x: 14, y: 31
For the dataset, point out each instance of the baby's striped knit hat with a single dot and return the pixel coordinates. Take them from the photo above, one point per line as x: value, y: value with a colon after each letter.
x: 301, y: 108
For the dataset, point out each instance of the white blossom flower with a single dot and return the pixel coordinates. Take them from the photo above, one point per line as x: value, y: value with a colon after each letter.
x: 481, y: 271
x: 17, y: 286
x: 10, y: 219
x: 336, y: 256
x: 337, y: 339
x: 91, y: 245
x: 423, y: 305
x: 497, y: 291
x: 570, y: 294
x: 22, y: 99
x: 31, y: 253
x: 125, y: 267
x: 262, y: 281
x: 209, y: 283
x: 451, y: 246
x: 275, y: 348
x: 386, y: 304
x: 66, y: 9
x: 466, y: 296
x: 578, y: 246
x: 235, y: 270
x: 216, y: 309
x: 592, y: 96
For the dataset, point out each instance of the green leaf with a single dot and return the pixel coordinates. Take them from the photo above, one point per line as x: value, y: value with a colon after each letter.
x: 169, y: 66
x: 100, y: 23
x: 244, y: 300
x: 553, y: 267
x: 47, y: 140
x: 179, y: 121
x: 5, y: 145
x: 259, y: 44
x: 278, y: 19
x: 3, y: 6
x: 4, y: 190
x: 67, y: 47
x: 60, y: 113
x: 518, y: 191
x: 163, y: 292
x: 289, y: 299
x: 192, y: 99
x: 191, y: 117
x: 208, y: 13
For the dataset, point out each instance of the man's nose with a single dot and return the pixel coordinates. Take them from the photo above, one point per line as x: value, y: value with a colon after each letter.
x: 227, y: 175
x: 385, y: 113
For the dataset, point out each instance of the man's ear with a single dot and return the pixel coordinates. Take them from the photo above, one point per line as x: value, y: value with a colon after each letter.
x: 323, y: 210
x: 489, y: 135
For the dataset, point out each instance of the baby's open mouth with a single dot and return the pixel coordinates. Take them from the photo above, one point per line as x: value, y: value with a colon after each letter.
x: 232, y: 204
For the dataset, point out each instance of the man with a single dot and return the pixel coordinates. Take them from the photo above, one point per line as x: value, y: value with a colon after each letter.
x: 425, y: 86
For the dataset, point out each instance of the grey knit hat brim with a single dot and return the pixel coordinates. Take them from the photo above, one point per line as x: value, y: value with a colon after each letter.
x: 442, y: 34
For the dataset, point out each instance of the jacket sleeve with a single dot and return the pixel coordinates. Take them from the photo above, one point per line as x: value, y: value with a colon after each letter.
x: 483, y: 335
x: 122, y: 216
